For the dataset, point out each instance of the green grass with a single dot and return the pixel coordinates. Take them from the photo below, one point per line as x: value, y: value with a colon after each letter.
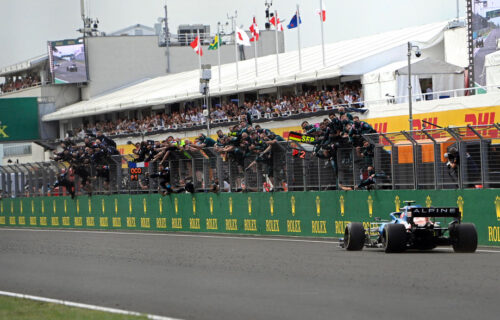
x: 24, y: 309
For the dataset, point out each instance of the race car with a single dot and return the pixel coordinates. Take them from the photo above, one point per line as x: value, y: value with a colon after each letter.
x: 414, y: 227
x: 72, y: 68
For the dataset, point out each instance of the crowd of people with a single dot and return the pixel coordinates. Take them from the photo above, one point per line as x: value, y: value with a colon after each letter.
x: 311, y: 101
x: 13, y: 84
x: 90, y: 159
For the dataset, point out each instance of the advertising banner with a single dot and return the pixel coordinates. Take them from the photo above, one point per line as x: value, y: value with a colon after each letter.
x: 310, y: 214
x: 19, y: 119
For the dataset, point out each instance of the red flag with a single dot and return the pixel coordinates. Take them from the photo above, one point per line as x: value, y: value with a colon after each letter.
x: 278, y: 25
x: 196, y: 45
x: 322, y: 11
x: 254, y: 29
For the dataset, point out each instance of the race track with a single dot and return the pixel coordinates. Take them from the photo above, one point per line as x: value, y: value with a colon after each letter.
x: 218, y: 277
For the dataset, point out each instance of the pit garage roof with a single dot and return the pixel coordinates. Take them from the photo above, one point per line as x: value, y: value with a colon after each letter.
x: 348, y: 57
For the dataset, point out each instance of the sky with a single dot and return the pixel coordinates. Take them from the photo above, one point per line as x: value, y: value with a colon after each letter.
x: 27, y: 25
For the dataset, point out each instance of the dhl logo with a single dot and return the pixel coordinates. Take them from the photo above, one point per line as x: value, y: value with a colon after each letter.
x: 380, y: 127
x: 482, y: 118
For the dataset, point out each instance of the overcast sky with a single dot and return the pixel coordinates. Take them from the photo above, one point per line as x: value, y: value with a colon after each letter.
x: 27, y: 25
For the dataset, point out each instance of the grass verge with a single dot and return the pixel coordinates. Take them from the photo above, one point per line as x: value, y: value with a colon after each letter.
x: 24, y: 309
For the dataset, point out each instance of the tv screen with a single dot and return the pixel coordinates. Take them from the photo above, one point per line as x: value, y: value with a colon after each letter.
x: 67, y: 61
x: 485, y: 39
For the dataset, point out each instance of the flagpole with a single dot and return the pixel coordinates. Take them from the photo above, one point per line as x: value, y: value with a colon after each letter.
x: 255, y: 48
x: 199, y: 45
x: 218, y: 51
x: 298, y: 36
x: 236, y: 51
x: 322, y: 32
x: 276, y: 36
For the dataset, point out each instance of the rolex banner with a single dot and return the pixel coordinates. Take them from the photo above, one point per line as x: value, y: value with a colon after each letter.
x: 310, y: 214
x: 19, y: 119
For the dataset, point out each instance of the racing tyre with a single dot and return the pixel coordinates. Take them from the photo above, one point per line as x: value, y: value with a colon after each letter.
x: 464, y: 238
x: 354, y: 236
x: 394, y: 238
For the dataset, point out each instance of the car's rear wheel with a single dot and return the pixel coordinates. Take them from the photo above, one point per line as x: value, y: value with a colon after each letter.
x: 354, y: 236
x: 464, y: 237
x: 394, y: 238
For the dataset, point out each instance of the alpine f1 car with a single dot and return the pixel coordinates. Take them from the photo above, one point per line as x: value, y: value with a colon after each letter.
x: 414, y: 227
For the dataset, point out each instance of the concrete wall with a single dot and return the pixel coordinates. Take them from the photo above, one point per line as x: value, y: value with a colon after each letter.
x: 115, y: 62
x: 25, y: 93
x: 62, y: 95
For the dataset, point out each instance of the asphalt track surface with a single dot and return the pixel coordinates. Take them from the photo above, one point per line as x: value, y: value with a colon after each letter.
x: 220, y: 277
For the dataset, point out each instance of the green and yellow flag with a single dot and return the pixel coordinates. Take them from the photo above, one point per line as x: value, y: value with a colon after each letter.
x: 215, y: 44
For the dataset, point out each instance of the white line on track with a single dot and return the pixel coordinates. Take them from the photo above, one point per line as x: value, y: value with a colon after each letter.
x: 83, y: 305
x: 243, y: 237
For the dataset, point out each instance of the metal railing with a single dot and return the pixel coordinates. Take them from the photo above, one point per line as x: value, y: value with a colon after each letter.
x: 401, y: 160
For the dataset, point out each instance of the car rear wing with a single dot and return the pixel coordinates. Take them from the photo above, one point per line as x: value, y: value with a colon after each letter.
x: 435, y: 212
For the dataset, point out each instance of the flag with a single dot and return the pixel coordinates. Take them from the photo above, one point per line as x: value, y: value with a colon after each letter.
x: 254, y: 29
x: 322, y: 11
x: 196, y: 45
x: 278, y: 25
x: 293, y: 23
x: 215, y: 44
x: 242, y: 37
x: 132, y: 164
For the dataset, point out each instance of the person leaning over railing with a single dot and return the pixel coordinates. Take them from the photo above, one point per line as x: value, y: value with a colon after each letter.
x: 92, y: 153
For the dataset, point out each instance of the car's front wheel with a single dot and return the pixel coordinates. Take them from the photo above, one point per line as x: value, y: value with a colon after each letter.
x: 354, y: 236
x: 394, y: 238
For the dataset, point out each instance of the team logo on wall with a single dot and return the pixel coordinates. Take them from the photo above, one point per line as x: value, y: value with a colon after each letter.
x: 460, y: 204
x: 271, y: 205
x: 292, y: 202
x: 397, y: 202
x: 318, y: 206
x: 370, y: 205
x: 342, y: 205
x: 497, y: 205
x: 428, y: 202
x: 249, y: 206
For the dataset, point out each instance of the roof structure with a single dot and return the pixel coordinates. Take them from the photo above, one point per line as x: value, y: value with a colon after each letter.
x: 132, y: 30
x: 349, y: 57
x: 24, y: 65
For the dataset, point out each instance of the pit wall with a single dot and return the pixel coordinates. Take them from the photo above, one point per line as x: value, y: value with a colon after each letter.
x: 311, y: 214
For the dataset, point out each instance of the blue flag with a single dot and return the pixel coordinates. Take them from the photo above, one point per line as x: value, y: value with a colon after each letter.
x: 293, y: 23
